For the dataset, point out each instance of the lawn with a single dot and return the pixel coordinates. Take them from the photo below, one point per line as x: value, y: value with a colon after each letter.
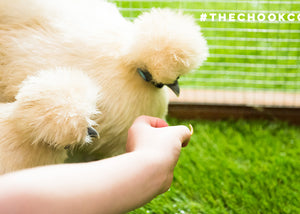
x: 243, y: 55
x: 235, y: 167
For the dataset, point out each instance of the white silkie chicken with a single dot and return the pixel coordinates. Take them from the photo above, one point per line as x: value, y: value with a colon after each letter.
x: 32, y: 128
x: 131, y: 62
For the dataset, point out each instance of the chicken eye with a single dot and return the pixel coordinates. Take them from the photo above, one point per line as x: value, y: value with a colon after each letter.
x: 145, y: 75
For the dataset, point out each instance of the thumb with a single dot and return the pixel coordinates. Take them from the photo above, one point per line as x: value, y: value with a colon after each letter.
x: 183, y: 133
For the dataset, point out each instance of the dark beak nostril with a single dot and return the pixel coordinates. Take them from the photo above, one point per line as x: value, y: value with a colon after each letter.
x: 92, y: 132
x: 158, y: 85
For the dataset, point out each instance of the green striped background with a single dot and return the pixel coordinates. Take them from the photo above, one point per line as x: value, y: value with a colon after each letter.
x: 243, y: 55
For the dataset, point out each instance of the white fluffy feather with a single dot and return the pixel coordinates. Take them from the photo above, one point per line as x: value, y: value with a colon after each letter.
x: 92, y: 37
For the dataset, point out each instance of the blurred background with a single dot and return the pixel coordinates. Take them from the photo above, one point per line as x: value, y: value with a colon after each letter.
x: 254, y: 58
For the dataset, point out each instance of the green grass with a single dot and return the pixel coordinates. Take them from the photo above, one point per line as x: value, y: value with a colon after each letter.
x: 212, y: 78
x: 235, y: 167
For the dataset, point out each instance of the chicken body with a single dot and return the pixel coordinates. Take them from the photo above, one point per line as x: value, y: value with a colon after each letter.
x: 92, y: 37
x: 49, y: 116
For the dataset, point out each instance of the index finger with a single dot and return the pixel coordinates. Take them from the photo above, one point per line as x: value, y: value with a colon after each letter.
x: 183, y: 133
x: 152, y: 121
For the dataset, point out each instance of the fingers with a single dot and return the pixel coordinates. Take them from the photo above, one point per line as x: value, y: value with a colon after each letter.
x: 183, y: 133
x: 152, y: 121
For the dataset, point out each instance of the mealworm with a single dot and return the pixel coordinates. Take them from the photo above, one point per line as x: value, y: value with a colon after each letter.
x: 191, y: 129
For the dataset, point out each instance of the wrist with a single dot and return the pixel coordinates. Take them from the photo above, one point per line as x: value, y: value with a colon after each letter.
x: 158, y: 169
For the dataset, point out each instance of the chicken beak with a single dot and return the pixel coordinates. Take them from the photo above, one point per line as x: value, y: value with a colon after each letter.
x: 175, y: 88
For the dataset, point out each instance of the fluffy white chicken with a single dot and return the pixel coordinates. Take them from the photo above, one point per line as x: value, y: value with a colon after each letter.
x: 32, y: 128
x: 130, y: 61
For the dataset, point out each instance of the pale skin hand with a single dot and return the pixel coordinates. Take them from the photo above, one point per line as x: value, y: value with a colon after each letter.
x: 114, y: 185
x: 154, y: 138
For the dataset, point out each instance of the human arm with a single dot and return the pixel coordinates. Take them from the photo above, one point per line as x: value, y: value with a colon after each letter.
x: 114, y: 185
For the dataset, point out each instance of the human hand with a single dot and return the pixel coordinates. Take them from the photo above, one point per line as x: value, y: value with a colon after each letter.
x: 156, y: 140
x: 141, y: 174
